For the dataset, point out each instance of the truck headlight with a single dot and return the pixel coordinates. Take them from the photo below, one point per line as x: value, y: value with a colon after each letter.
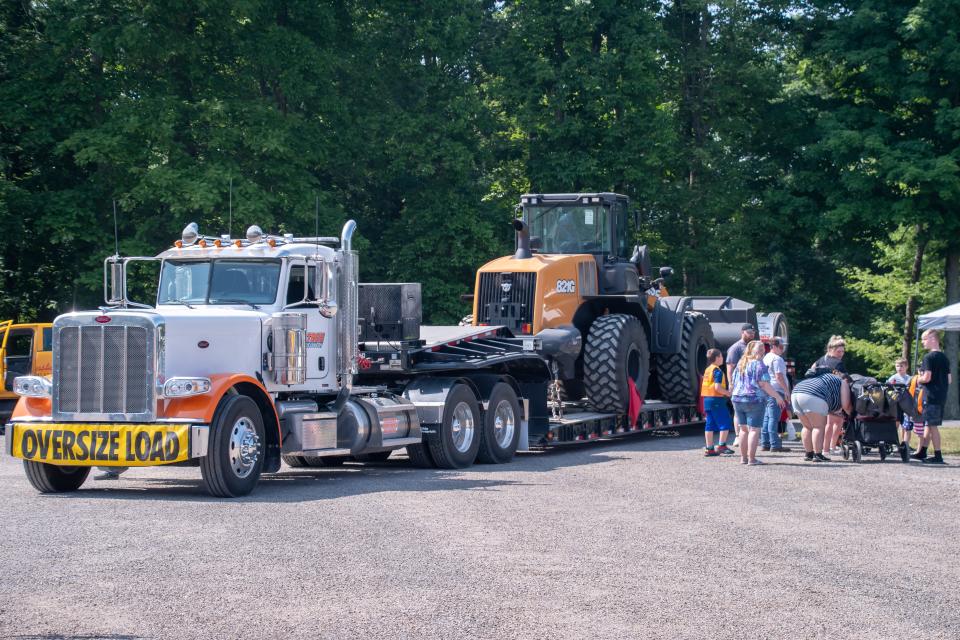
x: 182, y: 387
x: 32, y: 386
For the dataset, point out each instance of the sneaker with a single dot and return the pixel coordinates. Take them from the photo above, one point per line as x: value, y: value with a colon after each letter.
x: 836, y: 451
x: 780, y: 449
x: 753, y: 463
x: 725, y: 450
x: 819, y: 457
x: 809, y: 457
x: 767, y: 448
x: 934, y: 460
x: 919, y: 456
x: 742, y: 461
x: 710, y: 453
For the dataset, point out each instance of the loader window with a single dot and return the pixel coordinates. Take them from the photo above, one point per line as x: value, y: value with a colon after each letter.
x: 570, y: 229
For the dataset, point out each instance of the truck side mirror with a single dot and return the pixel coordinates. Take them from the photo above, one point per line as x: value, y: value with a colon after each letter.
x: 115, y: 289
x: 326, y: 284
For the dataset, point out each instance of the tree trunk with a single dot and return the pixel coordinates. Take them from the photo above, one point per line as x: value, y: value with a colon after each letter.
x: 951, y: 345
x: 911, y: 310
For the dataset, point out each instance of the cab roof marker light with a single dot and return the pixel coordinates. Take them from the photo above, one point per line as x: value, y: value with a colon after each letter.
x: 585, y: 200
x: 596, y: 200
x: 190, y: 234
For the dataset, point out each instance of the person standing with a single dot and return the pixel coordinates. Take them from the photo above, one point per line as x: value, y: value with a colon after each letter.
x: 770, y: 433
x: 751, y: 381
x: 714, y: 390
x: 934, y: 375
x: 902, y: 377
x: 747, y: 333
x: 813, y: 400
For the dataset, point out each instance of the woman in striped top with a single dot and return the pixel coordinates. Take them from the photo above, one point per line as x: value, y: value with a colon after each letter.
x: 813, y: 400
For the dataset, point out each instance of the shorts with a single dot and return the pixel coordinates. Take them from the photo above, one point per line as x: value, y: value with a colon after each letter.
x: 718, y: 416
x: 804, y: 403
x: 750, y: 413
x: 907, y: 423
x: 932, y: 415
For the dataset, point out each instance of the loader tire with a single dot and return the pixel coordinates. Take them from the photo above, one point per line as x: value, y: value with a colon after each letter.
x: 679, y: 373
x: 616, y: 350
x: 51, y: 478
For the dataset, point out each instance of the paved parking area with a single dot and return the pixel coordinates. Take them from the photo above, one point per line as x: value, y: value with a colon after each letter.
x: 639, y: 538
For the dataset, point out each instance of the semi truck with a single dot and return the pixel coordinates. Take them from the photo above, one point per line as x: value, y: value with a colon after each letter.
x: 267, y: 349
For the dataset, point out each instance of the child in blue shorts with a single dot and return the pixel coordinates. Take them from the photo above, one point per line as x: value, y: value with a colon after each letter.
x: 715, y: 390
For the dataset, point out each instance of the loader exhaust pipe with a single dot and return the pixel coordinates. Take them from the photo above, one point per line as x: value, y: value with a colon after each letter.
x: 523, y: 240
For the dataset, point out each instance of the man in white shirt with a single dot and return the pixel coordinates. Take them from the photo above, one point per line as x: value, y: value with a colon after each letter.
x: 770, y: 433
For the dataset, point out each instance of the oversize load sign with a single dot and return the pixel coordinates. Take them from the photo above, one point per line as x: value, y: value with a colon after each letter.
x: 101, y: 445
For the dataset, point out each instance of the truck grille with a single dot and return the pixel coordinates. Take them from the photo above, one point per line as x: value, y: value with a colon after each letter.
x: 103, y: 371
x: 507, y: 299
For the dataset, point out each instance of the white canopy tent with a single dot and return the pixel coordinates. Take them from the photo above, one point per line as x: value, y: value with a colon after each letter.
x: 946, y: 319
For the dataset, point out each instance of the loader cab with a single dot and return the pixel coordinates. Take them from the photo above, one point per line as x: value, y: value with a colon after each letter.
x: 586, y: 223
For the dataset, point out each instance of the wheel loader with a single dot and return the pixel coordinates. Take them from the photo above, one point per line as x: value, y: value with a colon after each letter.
x: 602, y: 316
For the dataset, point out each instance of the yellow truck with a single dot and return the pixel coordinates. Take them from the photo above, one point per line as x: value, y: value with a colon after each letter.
x: 25, y: 349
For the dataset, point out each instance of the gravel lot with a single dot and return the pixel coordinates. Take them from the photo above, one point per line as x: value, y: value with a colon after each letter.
x: 638, y: 538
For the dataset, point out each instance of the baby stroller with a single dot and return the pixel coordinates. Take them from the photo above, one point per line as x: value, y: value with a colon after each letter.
x: 874, y: 420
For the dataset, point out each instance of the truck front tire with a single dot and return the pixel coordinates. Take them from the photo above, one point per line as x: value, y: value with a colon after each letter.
x: 51, y: 478
x: 616, y: 351
x: 235, y: 449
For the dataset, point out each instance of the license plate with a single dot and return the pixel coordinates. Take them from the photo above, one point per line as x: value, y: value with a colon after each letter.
x: 101, y: 445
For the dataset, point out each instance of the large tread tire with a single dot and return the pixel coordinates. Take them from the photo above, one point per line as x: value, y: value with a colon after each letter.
x: 616, y: 348
x: 457, y: 441
x: 679, y: 373
x: 51, y: 478
x: 419, y: 455
x: 501, y: 426
x: 236, y: 417
x: 377, y: 456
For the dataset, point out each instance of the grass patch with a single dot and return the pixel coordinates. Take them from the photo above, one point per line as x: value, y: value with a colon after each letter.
x: 949, y: 441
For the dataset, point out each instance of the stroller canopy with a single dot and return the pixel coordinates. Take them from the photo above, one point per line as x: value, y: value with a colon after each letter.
x: 946, y: 319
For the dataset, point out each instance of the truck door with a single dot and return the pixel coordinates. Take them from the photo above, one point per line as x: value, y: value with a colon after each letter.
x: 301, y: 297
x: 18, y: 355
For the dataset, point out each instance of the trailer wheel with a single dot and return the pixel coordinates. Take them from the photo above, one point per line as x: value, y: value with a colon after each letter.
x: 51, y: 478
x: 419, y: 455
x: 458, y: 439
x: 377, y: 456
x: 501, y: 426
x: 234, y: 457
x: 679, y: 373
x: 616, y: 349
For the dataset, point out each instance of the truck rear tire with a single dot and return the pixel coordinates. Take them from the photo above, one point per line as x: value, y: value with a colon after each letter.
x: 501, y: 426
x: 457, y: 441
x: 52, y: 478
x: 419, y: 455
x: 235, y: 451
x: 679, y: 373
x: 294, y: 461
x: 616, y: 350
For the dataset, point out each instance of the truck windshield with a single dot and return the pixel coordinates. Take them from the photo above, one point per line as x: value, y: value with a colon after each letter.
x: 219, y: 282
x: 569, y: 229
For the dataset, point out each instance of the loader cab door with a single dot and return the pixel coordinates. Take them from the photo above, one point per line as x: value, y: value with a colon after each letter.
x: 17, y: 355
x: 618, y: 275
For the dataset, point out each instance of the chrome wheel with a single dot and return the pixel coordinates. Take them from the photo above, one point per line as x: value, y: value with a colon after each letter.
x: 244, y: 447
x: 504, y: 423
x: 462, y: 427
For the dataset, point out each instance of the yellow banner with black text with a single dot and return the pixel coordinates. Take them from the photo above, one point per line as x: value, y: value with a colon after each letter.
x: 101, y: 445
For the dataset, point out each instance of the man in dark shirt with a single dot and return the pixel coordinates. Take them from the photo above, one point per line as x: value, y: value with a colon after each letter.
x: 934, y: 375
